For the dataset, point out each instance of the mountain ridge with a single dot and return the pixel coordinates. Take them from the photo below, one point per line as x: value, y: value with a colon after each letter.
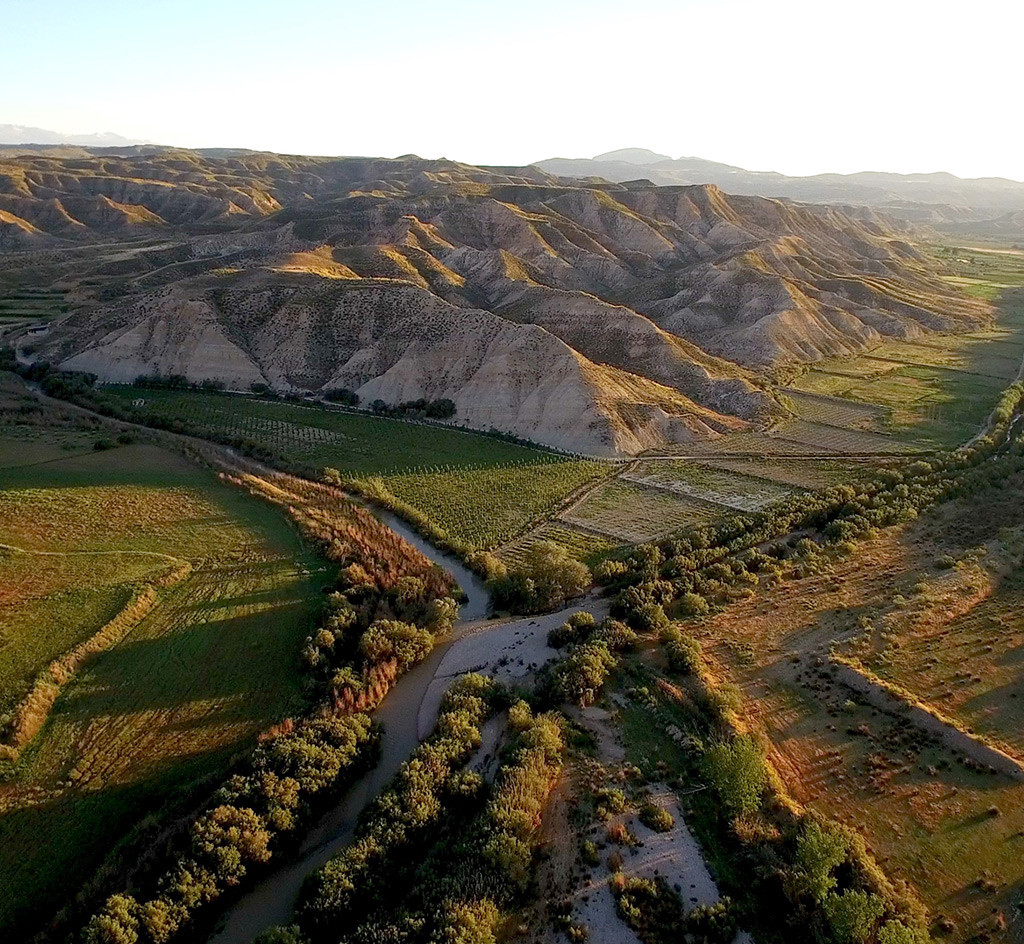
x: 939, y: 198
x: 643, y: 314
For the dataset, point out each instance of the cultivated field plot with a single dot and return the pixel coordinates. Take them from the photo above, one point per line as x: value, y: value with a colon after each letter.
x: 744, y: 444
x: 697, y: 480
x: 214, y: 661
x: 478, y: 489
x: 583, y: 545
x: 799, y: 473
x: 355, y: 443
x: 951, y: 829
x: 985, y: 273
x: 630, y: 512
x: 31, y: 304
x: 484, y: 507
x: 838, y: 440
x: 835, y: 411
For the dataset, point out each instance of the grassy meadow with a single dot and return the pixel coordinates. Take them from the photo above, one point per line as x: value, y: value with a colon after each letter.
x: 214, y: 661
x: 936, y: 390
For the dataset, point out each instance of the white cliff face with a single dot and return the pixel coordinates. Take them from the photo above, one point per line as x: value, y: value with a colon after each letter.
x: 388, y: 342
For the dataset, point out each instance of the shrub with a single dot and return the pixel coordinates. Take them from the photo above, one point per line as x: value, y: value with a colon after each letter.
x: 616, y: 635
x: 713, y: 924
x: 683, y: 651
x: 656, y: 817
x: 579, y: 677
x: 577, y: 628
x: 609, y: 801
x: 393, y: 639
x: 693, y: 606
x: 648, y: 618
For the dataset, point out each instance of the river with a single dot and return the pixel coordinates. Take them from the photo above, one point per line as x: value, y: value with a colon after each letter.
x: 272, y: 900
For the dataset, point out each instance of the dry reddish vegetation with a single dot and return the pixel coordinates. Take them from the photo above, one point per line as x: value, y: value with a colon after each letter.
x: 951, y: 634
x: 347, y: 532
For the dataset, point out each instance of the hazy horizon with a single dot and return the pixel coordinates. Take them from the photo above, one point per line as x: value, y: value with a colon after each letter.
x: 798, y: 88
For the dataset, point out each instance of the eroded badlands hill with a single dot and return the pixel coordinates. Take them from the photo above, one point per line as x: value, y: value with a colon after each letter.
x: 605, y: 318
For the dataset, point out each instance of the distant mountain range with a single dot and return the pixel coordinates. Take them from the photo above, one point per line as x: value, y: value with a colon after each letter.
x: 984, y: 206
x: 22, y: 134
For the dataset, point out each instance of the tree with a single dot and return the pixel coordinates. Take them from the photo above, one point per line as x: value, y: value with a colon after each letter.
x: 736, y: 769
x: 818, y: 852
x: 117, y: 923
x: 852, y: 916
x: 546, y: 580
x: 443, y: 409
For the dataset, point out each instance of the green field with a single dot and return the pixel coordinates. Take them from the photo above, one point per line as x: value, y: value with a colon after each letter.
x: 479, y: 490
x: 934, y: 391
x: 213, y: 662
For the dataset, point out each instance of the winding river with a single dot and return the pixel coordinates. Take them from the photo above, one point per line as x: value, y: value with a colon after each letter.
x: 271, y: 901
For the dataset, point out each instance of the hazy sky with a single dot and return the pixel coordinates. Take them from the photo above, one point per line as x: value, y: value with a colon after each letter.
x: 799, y: 87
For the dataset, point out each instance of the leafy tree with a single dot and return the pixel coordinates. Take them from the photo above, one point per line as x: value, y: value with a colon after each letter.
x: 852, y: 915
x: 819, y: 851
x: 443, y: 409
x: 547, y: 578
x: 117, y: 923
x: 737, y: 771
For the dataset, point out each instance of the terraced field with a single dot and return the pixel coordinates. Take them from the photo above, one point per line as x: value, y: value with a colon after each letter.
x: 798, y: 473
x: 584, y: 545
x: 213, y: 661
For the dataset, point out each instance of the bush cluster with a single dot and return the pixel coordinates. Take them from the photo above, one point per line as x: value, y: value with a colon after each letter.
x: 249, y: 818
x: 465, y: 878
x: 363, y: 876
